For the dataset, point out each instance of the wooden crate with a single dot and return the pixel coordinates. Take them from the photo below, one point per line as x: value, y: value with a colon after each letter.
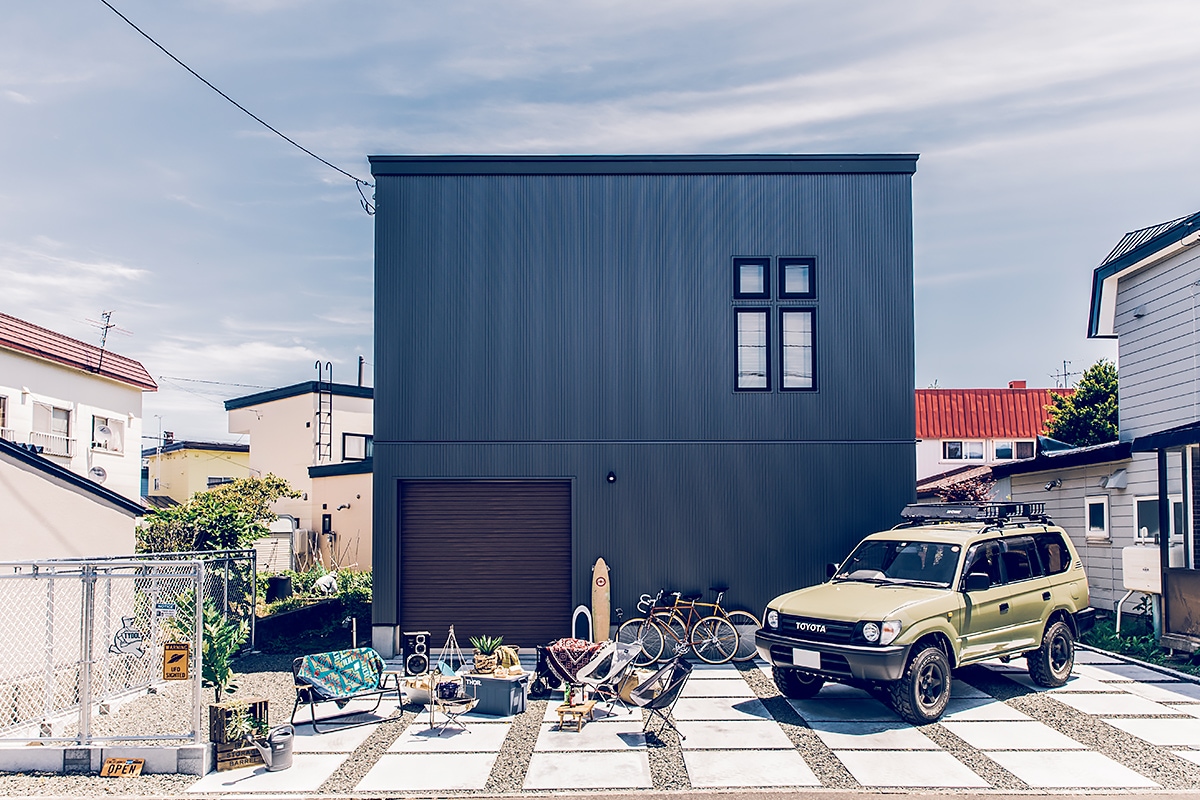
x: 236, y: 756
x: 219, y: 715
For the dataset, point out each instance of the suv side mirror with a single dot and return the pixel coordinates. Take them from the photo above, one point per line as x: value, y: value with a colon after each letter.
x: 831, y: 570
x: 978, y: 582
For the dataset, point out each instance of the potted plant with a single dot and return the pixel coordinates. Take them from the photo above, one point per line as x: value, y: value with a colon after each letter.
x: 485, y: 652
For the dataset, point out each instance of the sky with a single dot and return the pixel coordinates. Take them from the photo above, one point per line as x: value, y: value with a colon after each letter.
x: 232, y: 261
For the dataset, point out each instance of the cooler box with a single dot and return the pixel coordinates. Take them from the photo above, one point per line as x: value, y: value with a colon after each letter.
x: 498, y: 697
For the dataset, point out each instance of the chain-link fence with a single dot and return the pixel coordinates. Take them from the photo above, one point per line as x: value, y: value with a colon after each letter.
x: 82, y: 635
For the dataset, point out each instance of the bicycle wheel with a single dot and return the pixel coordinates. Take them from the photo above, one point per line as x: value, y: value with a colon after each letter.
x: 714, y: 640
x: 747, y: 625
x: 674, y: 636
x: 643, y: 632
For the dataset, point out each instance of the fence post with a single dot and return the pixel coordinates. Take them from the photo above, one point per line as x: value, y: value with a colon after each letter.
x: 85, y: 662
x: 253, y: 595
x: 198, y: 678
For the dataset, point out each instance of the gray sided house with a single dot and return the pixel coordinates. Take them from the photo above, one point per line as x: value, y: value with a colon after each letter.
x: 699, y: 368
x: 1145, y: 294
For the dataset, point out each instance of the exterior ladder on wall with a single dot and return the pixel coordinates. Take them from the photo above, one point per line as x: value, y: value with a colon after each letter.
x: 324, y: 443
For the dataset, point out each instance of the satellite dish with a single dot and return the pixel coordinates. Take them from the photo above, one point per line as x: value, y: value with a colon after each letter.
x: 98, y: 474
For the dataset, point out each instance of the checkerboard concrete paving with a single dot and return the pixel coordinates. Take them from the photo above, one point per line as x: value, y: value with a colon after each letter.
x: 733, y: 740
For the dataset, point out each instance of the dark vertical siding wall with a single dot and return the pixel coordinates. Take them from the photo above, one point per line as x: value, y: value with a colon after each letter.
x: 565, y: 325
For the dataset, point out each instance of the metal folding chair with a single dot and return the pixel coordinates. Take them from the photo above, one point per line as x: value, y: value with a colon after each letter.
x: 658, y: 694
x: 603, y: 675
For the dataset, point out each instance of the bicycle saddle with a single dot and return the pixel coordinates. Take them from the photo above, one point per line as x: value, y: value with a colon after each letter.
x: 690, y: 597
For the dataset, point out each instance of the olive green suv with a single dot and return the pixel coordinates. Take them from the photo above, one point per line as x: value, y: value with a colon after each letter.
x: 953, y: 585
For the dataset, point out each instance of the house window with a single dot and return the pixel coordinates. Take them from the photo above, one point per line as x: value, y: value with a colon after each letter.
x: 108, y: 434
x: 356, y: 446
x: 1024, y: 449
x: 1146, y: 517
x: 752, y: 278
x: 798, y: 333
x: 958, y: 450
x: 1004, y: 451
x: 797, y: 278
x: 1096, y: 514
x: 3, y: 411
x: 218, y: 481
x: 753, y: 339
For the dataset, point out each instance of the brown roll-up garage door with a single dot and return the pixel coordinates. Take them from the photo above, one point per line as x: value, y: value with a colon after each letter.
x: 489, y: 557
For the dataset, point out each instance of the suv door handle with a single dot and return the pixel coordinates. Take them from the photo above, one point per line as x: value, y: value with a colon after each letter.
x: 1004, y: 608
x: 1045, y: 595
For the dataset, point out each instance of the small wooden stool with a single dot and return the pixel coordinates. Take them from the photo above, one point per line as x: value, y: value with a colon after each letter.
x: 568, y: 712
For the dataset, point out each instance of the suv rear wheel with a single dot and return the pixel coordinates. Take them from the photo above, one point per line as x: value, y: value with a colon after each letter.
x: 797, y: 684
x: 921, y: 695
x: 1050, y: 665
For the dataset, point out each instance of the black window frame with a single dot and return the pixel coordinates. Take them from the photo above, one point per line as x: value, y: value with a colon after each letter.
x: 761, y: 261
x: 368, y: 445
x: 765, y: 312
x: 812, y: 312
x: 791, y: 261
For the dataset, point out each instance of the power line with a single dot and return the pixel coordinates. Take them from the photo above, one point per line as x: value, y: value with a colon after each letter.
x: 359, y: 183
x: 214, y: 383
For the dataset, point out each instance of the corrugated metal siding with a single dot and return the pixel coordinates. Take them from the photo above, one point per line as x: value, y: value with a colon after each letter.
x: 561, y: 327
x: 982, y: 413
x: 1158, y: 352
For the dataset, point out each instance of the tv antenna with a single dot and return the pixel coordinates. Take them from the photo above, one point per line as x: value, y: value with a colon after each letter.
x: 105, y: 324
x: 1062, y: 379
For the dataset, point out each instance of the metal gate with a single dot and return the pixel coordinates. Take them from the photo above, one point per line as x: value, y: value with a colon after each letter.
x: 81, y: 636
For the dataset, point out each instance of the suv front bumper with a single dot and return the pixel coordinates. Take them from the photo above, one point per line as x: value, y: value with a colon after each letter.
x: 837, y: 661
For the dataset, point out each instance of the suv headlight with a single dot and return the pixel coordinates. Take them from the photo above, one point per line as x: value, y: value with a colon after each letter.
x: 880, y: 632
x: 772, y: 618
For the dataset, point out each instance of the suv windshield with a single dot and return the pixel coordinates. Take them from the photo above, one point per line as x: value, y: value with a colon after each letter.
x: 891, y: 562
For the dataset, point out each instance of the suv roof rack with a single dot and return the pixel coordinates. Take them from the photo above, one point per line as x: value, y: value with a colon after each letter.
x: 916, y: 513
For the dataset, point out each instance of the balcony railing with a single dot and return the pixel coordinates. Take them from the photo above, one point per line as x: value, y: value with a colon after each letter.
x: 8, y: 434
x: 53, y: 444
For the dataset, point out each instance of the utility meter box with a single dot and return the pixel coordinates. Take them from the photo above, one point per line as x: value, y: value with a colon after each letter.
x: 1141, y: 569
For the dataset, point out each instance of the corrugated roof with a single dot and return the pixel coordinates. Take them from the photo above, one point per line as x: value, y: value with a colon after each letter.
x: 1135, y: 239
x: 983, y: 413
x: 25, y: 337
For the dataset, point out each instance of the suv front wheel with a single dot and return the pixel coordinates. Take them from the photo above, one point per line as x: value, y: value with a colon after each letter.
x: 1050, y: 665
x: 922, y: 694
x: 796, y: 684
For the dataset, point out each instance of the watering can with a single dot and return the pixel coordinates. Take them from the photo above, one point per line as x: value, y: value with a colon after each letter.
x: 277, y: 752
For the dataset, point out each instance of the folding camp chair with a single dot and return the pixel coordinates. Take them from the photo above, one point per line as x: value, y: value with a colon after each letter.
x: 659, y: 693
x: 603, y: 675
x: 566, y: 657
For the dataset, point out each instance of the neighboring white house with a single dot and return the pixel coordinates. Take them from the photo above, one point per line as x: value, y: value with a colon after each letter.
x: 1146, y: 295
x: 319, y: 437
x: 52, y: 512
x: 959, y: 428
x: 79, y: 406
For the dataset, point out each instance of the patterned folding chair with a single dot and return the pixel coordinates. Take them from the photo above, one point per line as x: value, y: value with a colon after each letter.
x: 338, y: 677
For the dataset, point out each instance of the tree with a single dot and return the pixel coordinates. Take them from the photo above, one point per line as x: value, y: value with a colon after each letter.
x: 1089, y: 416
x: 229, y: 516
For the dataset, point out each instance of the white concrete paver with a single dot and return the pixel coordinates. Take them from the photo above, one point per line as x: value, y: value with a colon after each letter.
x: 1023, y: 735
x: 1115, y: 703
x: 729, y: 769
x: 734, y: 735
x: 719, y: 708
x: 626, y: 735
x: 1076, y: 683
x: 980, y: 709
x: 398, y: 772
x: 1191, y: 709
x: 307, y: 772
x: 1070, y: 770
x: 1179, y: 692
x: 613, y: 770
x: 842, y: 710
x: 474, y: 739
x: 718, y: 687
x: 1093, y: 657
x: 339, y: 741
x: 872, y: 736
x: 1190, y: 755
x: 1164, y: 732
x: 1123, y: 672
x: 931, y: 769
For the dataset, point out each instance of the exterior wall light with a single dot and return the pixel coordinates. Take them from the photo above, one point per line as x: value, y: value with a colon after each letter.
x: 1054, y: 484
x: 612, y: 477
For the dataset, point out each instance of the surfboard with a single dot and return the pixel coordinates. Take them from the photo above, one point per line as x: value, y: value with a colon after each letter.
x: 601, y: 594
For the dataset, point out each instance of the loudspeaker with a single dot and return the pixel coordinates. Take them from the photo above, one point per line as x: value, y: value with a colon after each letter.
x: 416, y: 652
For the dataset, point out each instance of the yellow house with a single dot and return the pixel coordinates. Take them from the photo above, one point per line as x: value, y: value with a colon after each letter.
x: 180, y: 469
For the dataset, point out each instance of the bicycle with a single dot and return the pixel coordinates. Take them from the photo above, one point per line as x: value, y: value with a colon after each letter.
x: 715, y: 634
x: 715, y: 638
